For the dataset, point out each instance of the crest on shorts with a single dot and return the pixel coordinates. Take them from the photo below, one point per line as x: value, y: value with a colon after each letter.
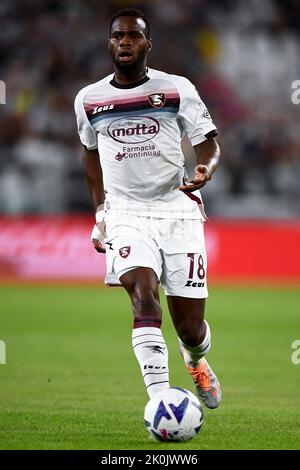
x: 124, y: 251
x: 157, y: 100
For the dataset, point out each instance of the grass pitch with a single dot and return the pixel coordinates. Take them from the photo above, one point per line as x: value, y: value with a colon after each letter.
x: 72, y: 382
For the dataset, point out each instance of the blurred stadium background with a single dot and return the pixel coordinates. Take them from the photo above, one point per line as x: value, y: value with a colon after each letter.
x: 243, y: 57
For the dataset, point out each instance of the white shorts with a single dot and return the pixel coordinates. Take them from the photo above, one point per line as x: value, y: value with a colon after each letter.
x: 173, y: 248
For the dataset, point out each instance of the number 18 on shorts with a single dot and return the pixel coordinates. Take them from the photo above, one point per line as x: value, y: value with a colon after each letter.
x: 184, y: 275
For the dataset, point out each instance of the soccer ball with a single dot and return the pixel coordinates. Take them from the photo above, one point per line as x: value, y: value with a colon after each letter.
x: 174, y: 414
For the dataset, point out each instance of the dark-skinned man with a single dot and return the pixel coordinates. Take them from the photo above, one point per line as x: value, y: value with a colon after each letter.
x: 149, y: 217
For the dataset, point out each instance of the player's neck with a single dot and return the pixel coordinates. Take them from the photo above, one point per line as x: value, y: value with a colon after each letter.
x: 129, y: 77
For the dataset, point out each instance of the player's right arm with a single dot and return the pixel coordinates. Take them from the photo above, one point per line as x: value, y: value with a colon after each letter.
x: 94, y: 179
x: 92, y: 169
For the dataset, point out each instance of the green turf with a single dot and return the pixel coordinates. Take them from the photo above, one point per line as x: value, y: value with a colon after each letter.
x: 72, y: 382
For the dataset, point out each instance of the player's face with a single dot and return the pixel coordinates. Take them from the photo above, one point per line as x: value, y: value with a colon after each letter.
x: 128, y: 44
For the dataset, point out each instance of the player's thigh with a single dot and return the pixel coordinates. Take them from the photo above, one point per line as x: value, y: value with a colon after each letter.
x: 184, y: 274
x: 129, y: 247
x: 184, y: 261
x: 141, y: 283
x: 185, y: 283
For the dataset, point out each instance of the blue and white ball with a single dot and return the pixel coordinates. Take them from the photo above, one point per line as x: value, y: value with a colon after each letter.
x: 174, y: 414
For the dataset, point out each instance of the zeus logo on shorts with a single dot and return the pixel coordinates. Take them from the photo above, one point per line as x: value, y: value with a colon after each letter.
x: 124, y: 251
x: 194, y: 284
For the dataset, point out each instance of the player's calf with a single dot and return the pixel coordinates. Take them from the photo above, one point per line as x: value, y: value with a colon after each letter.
x: 207, y: 385
x: 152, y: 354
x: 193, y: 354
x: 147, y: 339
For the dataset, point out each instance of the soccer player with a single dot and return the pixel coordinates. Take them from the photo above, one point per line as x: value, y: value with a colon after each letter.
x: 149, y: 220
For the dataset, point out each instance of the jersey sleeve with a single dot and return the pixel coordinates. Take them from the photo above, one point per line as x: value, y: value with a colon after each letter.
x: 194, y: 116
x: 86, y: 132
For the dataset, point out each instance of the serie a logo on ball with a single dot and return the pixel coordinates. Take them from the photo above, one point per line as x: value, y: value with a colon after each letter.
x: 173, y: 415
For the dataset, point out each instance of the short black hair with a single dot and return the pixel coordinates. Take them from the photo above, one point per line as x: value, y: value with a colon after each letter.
x: 136, y: 14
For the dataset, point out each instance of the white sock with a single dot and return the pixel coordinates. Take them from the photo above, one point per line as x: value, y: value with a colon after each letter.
x: 193, y: 354
x: 152, y: 354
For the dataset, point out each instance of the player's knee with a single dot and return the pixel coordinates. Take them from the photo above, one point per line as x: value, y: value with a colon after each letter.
x: 148, y: 307
x: 190, y: 339
x: 146, y: 304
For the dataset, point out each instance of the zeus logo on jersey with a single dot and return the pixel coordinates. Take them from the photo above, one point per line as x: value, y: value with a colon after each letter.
x: 99, y: 109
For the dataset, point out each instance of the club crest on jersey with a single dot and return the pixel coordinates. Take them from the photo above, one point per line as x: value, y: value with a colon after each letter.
x: 157, y: 100
x: 124, y: 251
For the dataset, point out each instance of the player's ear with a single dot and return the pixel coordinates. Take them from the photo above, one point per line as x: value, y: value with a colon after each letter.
x: 149, y: 45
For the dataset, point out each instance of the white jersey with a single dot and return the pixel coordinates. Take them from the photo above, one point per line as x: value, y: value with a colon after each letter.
x: 137, y: 130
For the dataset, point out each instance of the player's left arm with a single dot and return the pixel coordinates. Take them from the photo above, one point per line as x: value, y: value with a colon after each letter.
x: 208, y: 158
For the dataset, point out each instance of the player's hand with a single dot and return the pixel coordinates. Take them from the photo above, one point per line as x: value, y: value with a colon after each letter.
x: 97, y: 240
x: 99, y: 232
x: 202, y: 175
